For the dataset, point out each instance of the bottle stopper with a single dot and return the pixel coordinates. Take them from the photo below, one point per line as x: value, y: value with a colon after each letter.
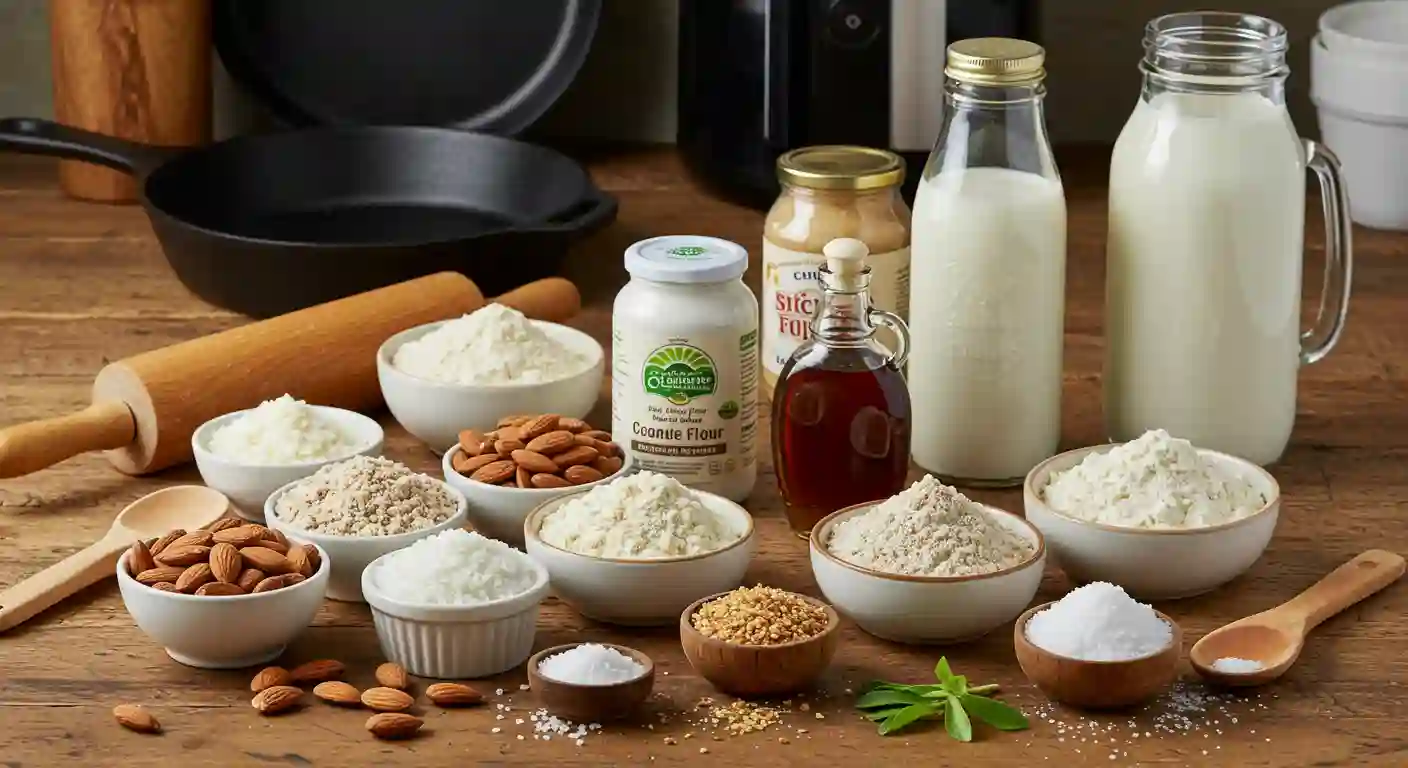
x: 845, y: 259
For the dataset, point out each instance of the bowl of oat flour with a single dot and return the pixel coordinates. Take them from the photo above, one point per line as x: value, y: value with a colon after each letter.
x: 927, y: 565
x: 469, y: 372
x: 1157, y: 516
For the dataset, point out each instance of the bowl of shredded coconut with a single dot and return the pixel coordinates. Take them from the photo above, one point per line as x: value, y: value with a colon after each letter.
x: 455, y: 605
x: 249, y: 454
x: 927, y: 565
x: 1157, y: 515
x: 444, y: 377
x: 639, y: 549
x: 360, y: 509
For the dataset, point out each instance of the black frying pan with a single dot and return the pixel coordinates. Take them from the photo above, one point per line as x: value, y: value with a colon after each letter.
x: 266, y: 224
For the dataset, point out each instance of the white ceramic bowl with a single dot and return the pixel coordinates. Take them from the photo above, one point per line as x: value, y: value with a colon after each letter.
x: 349, y: 555
x: 1362, y: 106
x: 927, y: 609
x: 1153, y: 564
x: 249, y: 485
x: 499, y: 512
x: 643, y: 592
x: 456, y: 642
x: 228, y: 632
x: 436, y: 413
x: 1369, y: 29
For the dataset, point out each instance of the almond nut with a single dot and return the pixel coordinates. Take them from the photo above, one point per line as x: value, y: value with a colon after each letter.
x: 297, y: 558
x: 271, y: 583
x: 505, y: 448
x: 505, y: 433
x: 222, y: 524
x: 573, y: 425
x: 219, y: 589
x: 139, y: 559
x: 393, y: 725
x: 453, y: 695
x: 393, y: 675
x: 165, y: 541
x: 514, y: 420
x: 383, y: 699
x: 182, y: 555
x: 471, y: 442
x: 582, y: 474
x: 586, y: 440
x: 315, y: 560
x: 577, y: 454
x: 226, y: 563
x: 153, y: 576
x: 599, y: 434
x: 338, y: 692
x: 523, y: 478
x: 607, y: 465
x: 136, y: 718
x: 165, y: 586
x: 196, y: 538
x: 534, y: 461
x: 545, y: 480
x: 240, y: 536
x: 249, y: 579
x: 469, y: 466
x: 276, y: 699
x: 274, y: 534
x: 606, y: 448
x: 265, y: 559
x: 194, y: 577
x: 317, y: 671
x: 552, y: 442
x: 277, y: 545
x: 538, y: 425
x: 494, y: 473
x: 269, y: 677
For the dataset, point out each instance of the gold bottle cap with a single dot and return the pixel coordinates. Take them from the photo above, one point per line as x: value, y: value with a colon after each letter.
x: 996, y: 61
x: 840, y: 167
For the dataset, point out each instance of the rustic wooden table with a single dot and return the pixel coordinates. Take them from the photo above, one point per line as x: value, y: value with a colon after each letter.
x: 82, y: 284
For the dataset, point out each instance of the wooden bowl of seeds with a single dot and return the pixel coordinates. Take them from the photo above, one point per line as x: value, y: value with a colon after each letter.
x: 756, y: 642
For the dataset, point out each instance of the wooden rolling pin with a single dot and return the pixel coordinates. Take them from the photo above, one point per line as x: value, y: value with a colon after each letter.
x: 146, y: 408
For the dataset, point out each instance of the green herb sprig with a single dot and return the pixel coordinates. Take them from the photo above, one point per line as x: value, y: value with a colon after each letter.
x: 894, y: 706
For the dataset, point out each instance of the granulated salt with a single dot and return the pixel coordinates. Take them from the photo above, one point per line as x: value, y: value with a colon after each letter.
x: 1233, y: 665
x: 1099, y: 622
x: 590, y: 664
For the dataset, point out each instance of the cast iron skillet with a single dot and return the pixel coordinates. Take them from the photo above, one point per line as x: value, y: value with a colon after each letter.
x: 266, y: 224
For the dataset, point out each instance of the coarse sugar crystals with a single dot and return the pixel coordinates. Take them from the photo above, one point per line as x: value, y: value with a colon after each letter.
x: 760, y: 616
x: 1233, y: 665
x: 494, y: 345
x: 456, y: 567
x: 1099, y: 622
x: 279, y: 431
x: 590, y: 664
x: 637, y: 517
x: 928, y: 529
x: 365, y: 496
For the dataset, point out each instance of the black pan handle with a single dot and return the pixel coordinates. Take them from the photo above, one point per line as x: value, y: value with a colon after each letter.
x: 595, y: 210
x: 44, y: 137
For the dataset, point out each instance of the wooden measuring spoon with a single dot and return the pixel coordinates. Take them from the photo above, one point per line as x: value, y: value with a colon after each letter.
x: 1275, y: 638
x: 156, y: 514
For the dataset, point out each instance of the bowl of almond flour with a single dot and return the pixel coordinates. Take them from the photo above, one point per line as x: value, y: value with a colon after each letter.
x: 360, y: 509
x: 1157, y: 515
x: 927, y: 565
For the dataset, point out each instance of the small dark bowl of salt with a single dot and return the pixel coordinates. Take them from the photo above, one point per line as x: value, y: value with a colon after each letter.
x: 591, y: 682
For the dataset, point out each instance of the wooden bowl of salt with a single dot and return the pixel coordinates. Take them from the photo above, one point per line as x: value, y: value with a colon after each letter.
x: 594, y: 694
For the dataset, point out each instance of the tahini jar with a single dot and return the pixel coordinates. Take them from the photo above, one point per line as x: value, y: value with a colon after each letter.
x: 830, y: 192
x: 684, y: 369
x: 989, y: 261
x: 1207, y: 216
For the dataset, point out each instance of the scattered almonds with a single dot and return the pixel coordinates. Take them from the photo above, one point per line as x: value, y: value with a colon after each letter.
x: 279, y: 698
x: 136, y: 718
x: 269, y: 677
x: 383, y: 699
x: 393, y: 725
x: 760, y: 616
x: 392, y: 675
x: 234, y: 559
x: 338, y: 692
x: 453, y: 695
x: 317, y: 671
x: 539, y: 451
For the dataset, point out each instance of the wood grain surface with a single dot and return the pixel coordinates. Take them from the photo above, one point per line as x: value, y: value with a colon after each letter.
x: 81, y: 285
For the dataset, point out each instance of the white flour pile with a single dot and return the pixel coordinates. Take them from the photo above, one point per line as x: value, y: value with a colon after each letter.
x: 928, y: 529
x: 456, y: 567
x: 1156, y: 481
x: 1099, y: 622
x: 365, y: 496
x: 496, y: 345
x: 637, y: 517
x: 280, y: 431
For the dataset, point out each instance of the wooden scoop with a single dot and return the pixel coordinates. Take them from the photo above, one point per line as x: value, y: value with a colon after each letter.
x: 156, y: 514
x: 1275, y: 638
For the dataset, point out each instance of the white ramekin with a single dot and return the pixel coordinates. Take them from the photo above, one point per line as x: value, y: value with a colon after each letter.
x: 456, y: 642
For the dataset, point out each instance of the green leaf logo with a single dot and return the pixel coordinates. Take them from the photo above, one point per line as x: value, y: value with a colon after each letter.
x: 686, y: 251
x: 679, y: 373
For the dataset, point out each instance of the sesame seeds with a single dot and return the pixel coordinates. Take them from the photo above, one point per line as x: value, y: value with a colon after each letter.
x: 760, y: 616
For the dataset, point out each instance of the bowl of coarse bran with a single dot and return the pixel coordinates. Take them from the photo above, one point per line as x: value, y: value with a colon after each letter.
x: 759, y: 641
x: 928, y: 565
x: 360, y: 509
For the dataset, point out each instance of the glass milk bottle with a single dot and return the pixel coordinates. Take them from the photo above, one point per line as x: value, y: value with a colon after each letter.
x: 988, y: 274
x: 1207, y: 209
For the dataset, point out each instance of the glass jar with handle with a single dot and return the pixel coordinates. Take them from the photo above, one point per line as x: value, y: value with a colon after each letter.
x: 1206, y: 227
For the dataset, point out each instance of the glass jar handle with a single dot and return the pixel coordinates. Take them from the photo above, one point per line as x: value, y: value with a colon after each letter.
x: 1339, y: 256
x: 894, y: 323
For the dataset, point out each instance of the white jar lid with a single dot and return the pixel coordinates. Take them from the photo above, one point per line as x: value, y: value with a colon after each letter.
x: 686, y: 259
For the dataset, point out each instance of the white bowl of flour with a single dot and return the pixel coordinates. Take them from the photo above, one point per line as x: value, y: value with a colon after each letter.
x: 469, y: 372
x: 1156, y: 515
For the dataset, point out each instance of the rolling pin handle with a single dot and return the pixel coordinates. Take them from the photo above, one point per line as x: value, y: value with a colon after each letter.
x: 26, y: 448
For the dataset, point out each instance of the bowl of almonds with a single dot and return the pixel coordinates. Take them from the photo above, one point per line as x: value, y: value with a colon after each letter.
x: 526, y: 460
x: 229, y: 596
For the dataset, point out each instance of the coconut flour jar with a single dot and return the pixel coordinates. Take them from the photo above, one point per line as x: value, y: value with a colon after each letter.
x: 684, y: 369
x: 830, y: 192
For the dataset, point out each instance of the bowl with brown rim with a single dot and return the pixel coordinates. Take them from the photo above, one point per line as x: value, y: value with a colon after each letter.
x: 591, y: 703
x: 1096, y: 684
x: 753, y: 671
x: 927, y: 609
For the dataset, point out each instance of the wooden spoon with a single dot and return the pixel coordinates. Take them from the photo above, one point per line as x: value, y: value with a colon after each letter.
x: 1274, y: 638
x: 156, y: 514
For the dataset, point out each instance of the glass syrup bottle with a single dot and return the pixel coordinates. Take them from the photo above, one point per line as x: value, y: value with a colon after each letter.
x: 841, y: 409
